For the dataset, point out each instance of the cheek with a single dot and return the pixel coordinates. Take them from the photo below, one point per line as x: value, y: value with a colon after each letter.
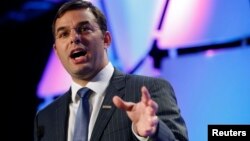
x: 61, y: 46
x: 61, y: 51
x: 96, y: 51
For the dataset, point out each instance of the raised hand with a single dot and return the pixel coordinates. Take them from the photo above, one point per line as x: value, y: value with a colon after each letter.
x: 142, y: 114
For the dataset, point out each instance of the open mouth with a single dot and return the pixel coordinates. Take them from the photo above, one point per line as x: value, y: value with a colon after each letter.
x: 78, y: 53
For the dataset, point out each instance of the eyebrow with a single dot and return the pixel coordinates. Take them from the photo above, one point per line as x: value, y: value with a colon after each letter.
x: 64, y: 27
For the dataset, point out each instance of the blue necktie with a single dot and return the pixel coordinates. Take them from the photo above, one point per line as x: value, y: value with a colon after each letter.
x: 82, y: 116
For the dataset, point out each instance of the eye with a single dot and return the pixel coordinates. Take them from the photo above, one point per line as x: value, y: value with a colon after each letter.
x: 84, y: 28
x: 63, y: 34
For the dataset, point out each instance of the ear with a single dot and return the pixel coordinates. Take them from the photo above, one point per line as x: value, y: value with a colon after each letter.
x: 54, y: 46
x: 55, y: 50
x: 107, y: 39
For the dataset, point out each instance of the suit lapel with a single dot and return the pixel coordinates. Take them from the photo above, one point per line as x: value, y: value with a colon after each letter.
x: 116, y: 87
x: 62, y: 117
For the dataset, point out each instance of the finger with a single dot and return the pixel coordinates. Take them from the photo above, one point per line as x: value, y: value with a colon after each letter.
x: 151, y: 110
x: 154, y: 121
x: 153, y: 105
x: 145, y: 95
x: 149, y: 127
x: 119, y: 103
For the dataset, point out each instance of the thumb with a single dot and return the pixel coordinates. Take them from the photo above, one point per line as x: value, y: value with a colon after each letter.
x: 119, y: 103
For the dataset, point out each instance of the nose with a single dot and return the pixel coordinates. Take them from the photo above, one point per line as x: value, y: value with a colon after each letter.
x: 75, y: 37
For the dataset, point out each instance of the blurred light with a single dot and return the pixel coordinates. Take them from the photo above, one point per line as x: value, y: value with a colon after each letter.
x: 184, y: 22
x: 210, y: 53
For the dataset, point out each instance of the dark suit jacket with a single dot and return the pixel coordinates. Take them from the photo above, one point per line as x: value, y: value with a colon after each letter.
x: 113, y: 124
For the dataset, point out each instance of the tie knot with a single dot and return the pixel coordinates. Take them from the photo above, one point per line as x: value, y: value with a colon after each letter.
x: 84, y: 92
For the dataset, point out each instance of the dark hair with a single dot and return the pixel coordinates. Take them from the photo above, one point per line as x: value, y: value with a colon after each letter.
x: 81, y: 4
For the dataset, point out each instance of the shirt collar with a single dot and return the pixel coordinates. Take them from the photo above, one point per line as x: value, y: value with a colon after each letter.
x: 98, y: 84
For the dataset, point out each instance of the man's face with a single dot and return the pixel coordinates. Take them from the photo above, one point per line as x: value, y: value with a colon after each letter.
x: 80, y: 44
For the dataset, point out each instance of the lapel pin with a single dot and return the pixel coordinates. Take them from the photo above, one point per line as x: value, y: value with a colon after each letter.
x: 106, y: 106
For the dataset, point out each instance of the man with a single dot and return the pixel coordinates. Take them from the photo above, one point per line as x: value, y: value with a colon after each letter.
x: 123, y: 107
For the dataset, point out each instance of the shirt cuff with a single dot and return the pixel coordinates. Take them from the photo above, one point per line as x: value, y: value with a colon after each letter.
x: 137, y: 136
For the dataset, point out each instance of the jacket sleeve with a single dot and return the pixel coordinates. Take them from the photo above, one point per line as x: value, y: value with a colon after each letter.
x: 171, y: 125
